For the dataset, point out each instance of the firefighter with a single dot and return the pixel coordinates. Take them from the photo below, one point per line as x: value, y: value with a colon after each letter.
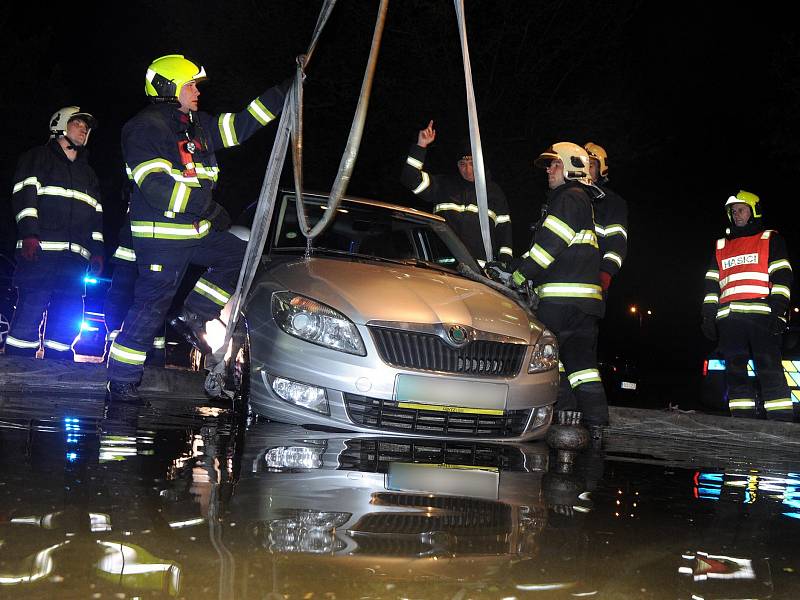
x: 563, y: 265
x: 747, y: 293
x: 454, y: 198
x: 170, y: 148
x: 59, y: 217
x: 610, y: 217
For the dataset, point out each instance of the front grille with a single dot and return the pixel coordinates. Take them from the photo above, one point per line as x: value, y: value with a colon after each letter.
x: 446, y: 523
x: 428, y: 352
x: 409, y: 523
x: 374, y: 455
x: 386, y: 415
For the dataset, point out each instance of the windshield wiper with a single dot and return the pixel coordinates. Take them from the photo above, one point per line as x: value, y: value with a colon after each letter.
x: 412, y: 262
x: 345, y: 253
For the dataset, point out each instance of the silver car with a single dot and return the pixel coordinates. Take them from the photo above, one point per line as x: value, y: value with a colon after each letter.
x: 386, y: 327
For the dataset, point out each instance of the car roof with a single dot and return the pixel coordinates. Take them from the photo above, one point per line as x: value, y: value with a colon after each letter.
x: 369, y: 202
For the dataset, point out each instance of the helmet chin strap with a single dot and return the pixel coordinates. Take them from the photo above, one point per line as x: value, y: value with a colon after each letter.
x: 72, y: 145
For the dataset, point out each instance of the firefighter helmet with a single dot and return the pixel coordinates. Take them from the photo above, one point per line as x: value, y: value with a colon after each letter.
x: 168, y: 74
x: 744, y: 198
x: 600, y: 155
x: 60, y: 118
x: 574, y: 158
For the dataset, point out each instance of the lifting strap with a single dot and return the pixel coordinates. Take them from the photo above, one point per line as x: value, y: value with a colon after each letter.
x: 475, y: 136
x: 290, y: 124
x: 350, y: 154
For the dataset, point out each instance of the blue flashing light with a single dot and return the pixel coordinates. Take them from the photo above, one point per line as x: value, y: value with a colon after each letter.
x: 90, y: 280
x: 792, y: 515
x: 712, y: 476
x: 85, y: 326
x: 718, y: 364
x: 709, y: 493
x: 72, y: 456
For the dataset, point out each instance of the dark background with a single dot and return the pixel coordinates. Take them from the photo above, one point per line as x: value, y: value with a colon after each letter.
x: 692, y: 101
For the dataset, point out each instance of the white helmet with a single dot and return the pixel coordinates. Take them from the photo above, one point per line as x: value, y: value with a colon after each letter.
x: 574, y: 158
x: 60, y: 118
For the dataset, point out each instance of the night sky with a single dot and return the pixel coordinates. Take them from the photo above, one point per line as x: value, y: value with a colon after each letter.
x: 692, y: 101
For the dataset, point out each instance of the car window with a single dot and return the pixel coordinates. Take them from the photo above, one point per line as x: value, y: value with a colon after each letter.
x: 377, y: 231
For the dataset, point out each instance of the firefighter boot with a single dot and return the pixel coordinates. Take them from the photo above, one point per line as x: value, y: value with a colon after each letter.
x: 122, y: 391
x: 192, y: 328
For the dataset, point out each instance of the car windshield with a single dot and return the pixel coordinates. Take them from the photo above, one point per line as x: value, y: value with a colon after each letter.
x: 362, y: 229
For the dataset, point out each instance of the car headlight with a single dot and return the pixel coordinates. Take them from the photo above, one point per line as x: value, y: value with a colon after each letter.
x: 294, y: 457
x: 545, y: 353
x: 315, y: 322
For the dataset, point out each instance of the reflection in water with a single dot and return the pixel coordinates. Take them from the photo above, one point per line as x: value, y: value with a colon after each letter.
x: 197, y: 502
x: 750, y: 487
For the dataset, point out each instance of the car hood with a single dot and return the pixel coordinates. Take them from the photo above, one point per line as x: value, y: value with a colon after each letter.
x: 368, y: 292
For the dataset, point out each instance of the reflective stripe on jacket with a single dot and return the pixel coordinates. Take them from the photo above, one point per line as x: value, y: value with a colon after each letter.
x: 168, y: 199
x: 564, y: 260
x: 455, y: 199
x: 58, y: 201
x: 743, y: 267
x: 743, y: 276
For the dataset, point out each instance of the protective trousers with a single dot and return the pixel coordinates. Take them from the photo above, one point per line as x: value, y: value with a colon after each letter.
x: 576, y: 333
x: 158, y: 280
x: 118, y: 301
x: 742, y: 336
x: 52, y: 283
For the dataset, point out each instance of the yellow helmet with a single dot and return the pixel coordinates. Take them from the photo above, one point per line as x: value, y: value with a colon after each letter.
x: 598, y: 153
x: 574, y: 158
x: 743, y: 197
x: 168, y: 74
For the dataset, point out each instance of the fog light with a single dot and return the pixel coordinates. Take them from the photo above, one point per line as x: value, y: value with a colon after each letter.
x: 294, y: 457
x: 301, y: 394
x: 307, y: 531
x: 542, y: 416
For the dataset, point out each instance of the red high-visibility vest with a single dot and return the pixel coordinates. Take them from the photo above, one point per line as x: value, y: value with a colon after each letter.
x: 744, y: 267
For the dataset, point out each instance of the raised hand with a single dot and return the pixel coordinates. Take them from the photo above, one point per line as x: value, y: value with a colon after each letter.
x: 426, y: 136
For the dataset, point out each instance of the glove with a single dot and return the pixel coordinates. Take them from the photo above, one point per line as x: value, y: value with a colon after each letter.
x: 709, y: 328
x: 497, y: 271
x: 30, y: 248
x: 219, y: 217
x: 605, y: 280
x: 96, y: 264
x: 776, y: 325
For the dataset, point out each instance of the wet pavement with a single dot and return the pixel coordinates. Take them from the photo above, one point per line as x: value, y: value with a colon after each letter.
x: 186, y: 499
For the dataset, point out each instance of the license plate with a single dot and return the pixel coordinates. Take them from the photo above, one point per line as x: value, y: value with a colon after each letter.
x: 454, y: 480
x: 450, y: 395
x: 628, y: 385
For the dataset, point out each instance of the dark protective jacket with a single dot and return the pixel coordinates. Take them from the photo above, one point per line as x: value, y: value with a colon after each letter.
x: 455, y: 199
x: 611, y: 226
x: 58, y: 201
x: 779, y: 273
x: 564, y: 261
x: 169, y: 201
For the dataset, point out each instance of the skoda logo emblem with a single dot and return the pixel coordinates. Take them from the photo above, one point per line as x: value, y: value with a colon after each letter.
x: 458, y: 335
